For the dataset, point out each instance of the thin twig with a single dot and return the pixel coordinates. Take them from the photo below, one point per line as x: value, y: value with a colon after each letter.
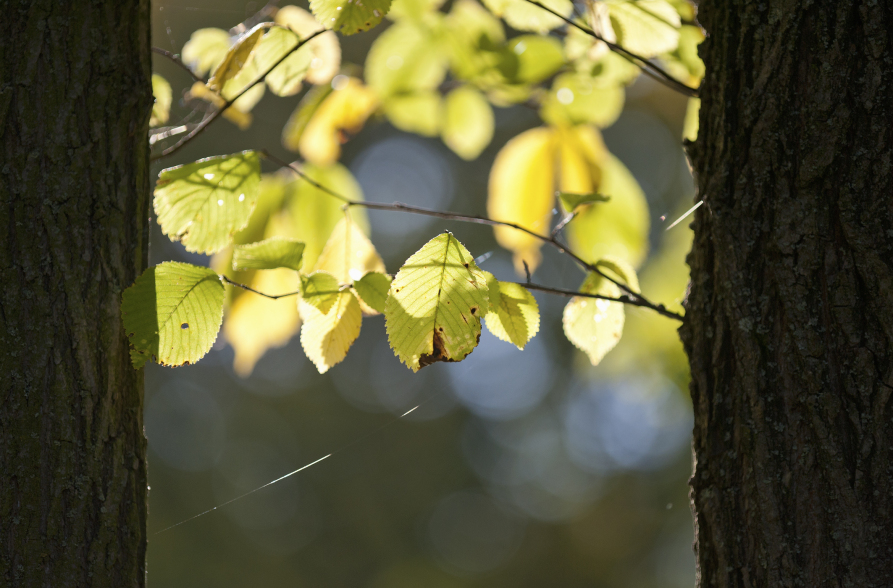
x: 563, y: 223
x: 551, y: 240
x: 648, y: 68
x: 177, y: 61
x: 204, y: 124
x: 250, y: 289
x: 624, y: 298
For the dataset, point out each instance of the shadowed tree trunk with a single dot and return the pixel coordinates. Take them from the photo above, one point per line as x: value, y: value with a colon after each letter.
x: 790, y: 317
x: 75, y: 98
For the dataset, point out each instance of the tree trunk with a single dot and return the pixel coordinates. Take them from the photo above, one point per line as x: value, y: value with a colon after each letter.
x: 75, y: 98
x: 790, y: 317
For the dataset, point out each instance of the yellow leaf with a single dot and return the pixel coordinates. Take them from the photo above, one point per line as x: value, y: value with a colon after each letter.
x: 521, y: 190
x: 326, y: 336
x: 349, y: 254
x: 594, y: 325
x: 325, y: 49
x: 645, y: 27
x: 297, y: 122
x: 161, y: 91
x: 419, y: 112
x: 515, y: 318
x: 236, y: 58
x: 255, y: 324
x: 468, y: 122
x: 343, y: 111
x: 206, y: 49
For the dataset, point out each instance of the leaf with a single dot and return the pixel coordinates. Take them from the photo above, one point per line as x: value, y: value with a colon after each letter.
x: 326, y: 336
x: 206, y: 49
x: 435, y: 304
x: 325, y: 49
x: 468, y: 122
x: 524, y: 16
x: 255, y: 324
x: 172, y: 314
x: 619, y: 270
x: 320, y: 290
x: 271, y: 253
x: 418, y: 113
x: 575, y: 99
x: 413, y: 9
x: 692, y: 114
x: 343, y: 111
x: 474, y: 39
x: 161, y: 90
x: 571, y: 202
x: 237, y: 113
x: 645, y: 27
x: 372, y: 289
x: 521, y: 191
x: 594, y: 326
x: 235, y: 59
x: 349, y: 254
x: 532, y: 59
x: 348, y: 16
x: 407, y: 57
x: 203, y: 204
x: 285, y: 79
x: 516, y: 317
x: 297, y: 122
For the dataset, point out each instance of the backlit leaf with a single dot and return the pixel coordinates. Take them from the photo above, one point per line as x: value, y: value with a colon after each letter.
x: 524, y: 16
x: 235, y: 59
x: 349, y: 16
x: 271, y: 253
x: 255, y: 323
x: 285, y: 79
x: 570, y: 202
x: 532, y: 58
x: 405, y: 58
x: 619, y: 270
x: 575, y: 99
x: 516, y: 317
x: 320, y: 290
x: 418, y: 112
x: 172, y: 314
x: 594, y: 325
x: 161, y: 91
x: 325, y: 49
x: 645, y: 27
x: 206, y: 49
x: 433, y: 312
x: 203, y: 204
x: 237, y: 113
x: 692, y: 114
x: 521, y: 191
x: 326, y: 336
x: 297, y: 122
x: 349, y: 254
x: 372, y: 290
x: 345, y: 110
x: 414, y: 9
x: 467, y: 123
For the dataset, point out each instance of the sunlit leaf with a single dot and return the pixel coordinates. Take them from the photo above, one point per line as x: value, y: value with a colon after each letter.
x: 297, y: 122
x: 689, y: 39
x: 521, y: 191
x: 435, y: 304
x: 619, y: 270
x: 575, y: 99
x: 206, y: 49
x: 324, y: 48
x: 255, y: 323
x: 235, y: 59
x: 326, y: 336
x: 594, y: 325
x: 532, y: 59
x: 692, y: 114
x: 414, y: 9
x: 570, y: 202
x: 271, y: 253
x: 349, y: 254
x: 372, y: 289
x: 524, y: 16
x: 203, y: 204
x: 349, y: 16
x: 161, y: 91
x: 285, y: 79
x: 418, y: 112
x: 237, y: 113
x: 343, y: 111
x: 172, y: 314
x: 645, y: 27
x: 320, y: 290
x: 516, y: 317
x: 467, y: 122
x: 473, y: 39
x: 405, y: 58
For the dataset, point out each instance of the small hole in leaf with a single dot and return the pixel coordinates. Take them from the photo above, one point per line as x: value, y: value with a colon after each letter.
x: 184, y: 326
x: 466, y: 265
x: 474, y: 310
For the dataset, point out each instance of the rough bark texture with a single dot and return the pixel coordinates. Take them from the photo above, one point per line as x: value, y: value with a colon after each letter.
x: 75, y: 98
x: 790, y: 316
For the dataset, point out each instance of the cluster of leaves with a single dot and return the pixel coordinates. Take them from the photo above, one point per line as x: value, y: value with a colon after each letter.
x: 433, y: 73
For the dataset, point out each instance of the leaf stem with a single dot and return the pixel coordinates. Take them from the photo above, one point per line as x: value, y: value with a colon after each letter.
x: 625, y: 299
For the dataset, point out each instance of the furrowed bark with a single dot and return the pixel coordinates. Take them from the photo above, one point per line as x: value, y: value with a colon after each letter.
x: 75, y: 98
x: 789, y: 325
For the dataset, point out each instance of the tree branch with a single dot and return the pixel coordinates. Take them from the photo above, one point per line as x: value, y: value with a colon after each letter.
x: 177, y: 61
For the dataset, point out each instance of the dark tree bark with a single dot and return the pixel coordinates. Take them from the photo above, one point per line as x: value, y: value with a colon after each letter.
x: 75, y: 98
x: 790, y: 316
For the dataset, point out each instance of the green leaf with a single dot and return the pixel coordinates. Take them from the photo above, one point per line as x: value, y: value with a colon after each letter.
x: 468, y: 122
x: 571, y: 202
x: 405, y: 58
x: 524, y: 16
x: 325, y: 48
x: 515, y: 318
x: 286, y: 78
x: 373, y: 290
x: 327, y: 335
x: 575, y: 98
x: 419, y: 112
x: 172, y: 314
x: 349, y: 16
x: 644, y: 27
x: 297, y: 122
x: 235, y: 59
x: 271, y: 253
x: 161, y: 90
x: 206, y: 49
x: 320, y: 290
x: 413, y: 9
x: 594, y: 325
x: 692, y: 115
x: 619, y: 270
x: 530, y: 59
x: 434, y: 308
x: 348, y: 253
x: 203, y: 204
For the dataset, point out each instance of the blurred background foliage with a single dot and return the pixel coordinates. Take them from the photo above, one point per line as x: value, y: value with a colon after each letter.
x: 517, y: 469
